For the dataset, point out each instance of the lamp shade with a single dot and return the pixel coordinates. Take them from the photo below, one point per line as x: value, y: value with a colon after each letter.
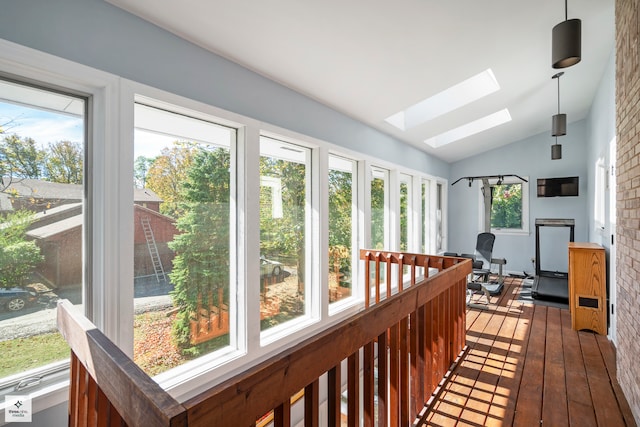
x: 566, y: 48
x: 556, y: 152
x: 559, y: 125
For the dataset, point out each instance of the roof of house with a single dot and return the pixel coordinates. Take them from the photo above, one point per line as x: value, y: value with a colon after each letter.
x: 56, y: 227
x: 27, y: 187
x: 42, y: 189
x: 66, y: 224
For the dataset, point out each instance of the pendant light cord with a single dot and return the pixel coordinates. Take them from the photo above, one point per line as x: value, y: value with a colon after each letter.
x: 566, y: 14
x: 558, y: 94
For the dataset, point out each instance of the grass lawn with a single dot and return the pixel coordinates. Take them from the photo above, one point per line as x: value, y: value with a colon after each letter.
x: 22, y: 354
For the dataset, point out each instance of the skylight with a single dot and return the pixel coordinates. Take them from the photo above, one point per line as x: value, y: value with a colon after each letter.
x: 456, y: 96
x: 471, y: 128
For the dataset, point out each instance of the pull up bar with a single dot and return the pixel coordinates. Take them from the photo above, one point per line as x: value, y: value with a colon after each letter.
x: 500, y: 178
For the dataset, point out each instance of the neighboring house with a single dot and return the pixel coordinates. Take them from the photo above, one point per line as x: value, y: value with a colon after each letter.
x: 57, y: 228
x: 37, y: 195
x: 163, y: 229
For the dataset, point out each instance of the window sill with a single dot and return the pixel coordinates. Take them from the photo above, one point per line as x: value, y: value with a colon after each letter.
x: 507, y: 232
x: 43, y: 398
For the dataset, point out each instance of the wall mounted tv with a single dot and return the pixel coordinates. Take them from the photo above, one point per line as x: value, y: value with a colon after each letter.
x: 558, y: 187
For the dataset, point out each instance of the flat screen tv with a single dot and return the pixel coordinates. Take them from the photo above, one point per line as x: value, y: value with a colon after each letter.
x: 558, y: 187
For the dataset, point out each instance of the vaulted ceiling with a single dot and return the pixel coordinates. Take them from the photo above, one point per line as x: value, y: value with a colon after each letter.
x: 372, y: 59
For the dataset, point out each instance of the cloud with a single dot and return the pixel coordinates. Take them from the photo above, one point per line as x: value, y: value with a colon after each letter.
x: 42, y: 126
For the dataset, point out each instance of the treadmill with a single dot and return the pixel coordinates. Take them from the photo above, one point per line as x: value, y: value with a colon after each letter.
x: 553, y: 285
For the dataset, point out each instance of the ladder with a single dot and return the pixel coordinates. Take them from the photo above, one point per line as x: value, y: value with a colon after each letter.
x: 153, y: 249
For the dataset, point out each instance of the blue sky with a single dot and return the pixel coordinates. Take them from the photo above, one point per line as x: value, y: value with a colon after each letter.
x: 43, y: 126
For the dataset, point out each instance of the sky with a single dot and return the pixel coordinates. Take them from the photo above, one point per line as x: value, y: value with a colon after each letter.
x: 47, y: 127
x: 43, y: 126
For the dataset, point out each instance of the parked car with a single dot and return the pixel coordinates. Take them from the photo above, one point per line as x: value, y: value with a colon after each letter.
x: 15, y: 299
x: 273, y: 270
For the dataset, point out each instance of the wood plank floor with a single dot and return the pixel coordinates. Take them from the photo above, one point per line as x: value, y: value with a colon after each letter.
x: 525, y: 366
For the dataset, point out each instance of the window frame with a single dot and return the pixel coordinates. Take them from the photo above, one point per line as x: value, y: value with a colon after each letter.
x: 237, y: 331
x: 110, y: 196
x: 339, y: 305
x: 101, y: 89
x: 525, y: 207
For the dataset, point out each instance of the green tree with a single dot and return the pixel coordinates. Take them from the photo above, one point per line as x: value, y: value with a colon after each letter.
x: 506, y: 206
x: 167, y: 173
x: 63, y: 162
x: 18, y: 257
x: 141, y: 167
x: 377, y: 213
x: 20, y: 158
x: 284, y: 235
x: 340, y: 223
x: 340, y: 201
x: 201, y: 264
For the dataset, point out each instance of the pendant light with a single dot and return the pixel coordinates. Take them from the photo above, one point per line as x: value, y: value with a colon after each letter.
x: 566, y: 42
x: 556, y: 151
x: 558, y: 121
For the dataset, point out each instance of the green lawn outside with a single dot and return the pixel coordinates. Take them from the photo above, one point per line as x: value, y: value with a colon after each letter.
x: 20, y: 354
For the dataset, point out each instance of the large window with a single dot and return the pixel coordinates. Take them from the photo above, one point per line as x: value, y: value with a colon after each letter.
x: 406, y: 218
x: 509, y: 206
x: 183, y: 248
x: 342, y: 214
x: 379, y: 209
x: 43, y: 140
x: 285, y: 171
x: 440, y: 218
x: 153, y: 214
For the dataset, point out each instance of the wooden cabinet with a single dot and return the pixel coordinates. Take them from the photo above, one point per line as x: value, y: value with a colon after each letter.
x: 587, y: 287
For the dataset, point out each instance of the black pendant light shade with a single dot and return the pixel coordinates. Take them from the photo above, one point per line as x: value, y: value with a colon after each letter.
x: 556, y: 151
x: 559, y: 125
x: 566, y: 42
x: 558, y: 121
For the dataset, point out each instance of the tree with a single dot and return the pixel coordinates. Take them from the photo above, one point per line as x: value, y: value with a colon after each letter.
x: 18, y: 257
x: 141, y: 167
x: 20, y: 158
x: 340, y: 201
x: 284, y: 235
x: 506, y: 206
x: 63, y: 162
x: 167, y: 173
x: 201, y: 264
x: 377, y: 213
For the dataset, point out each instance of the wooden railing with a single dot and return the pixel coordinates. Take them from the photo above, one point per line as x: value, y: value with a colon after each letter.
x: 409, y: 333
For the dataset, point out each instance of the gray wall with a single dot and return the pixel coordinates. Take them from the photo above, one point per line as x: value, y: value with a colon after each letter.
x: 95, y: 33
x: 528, y: 158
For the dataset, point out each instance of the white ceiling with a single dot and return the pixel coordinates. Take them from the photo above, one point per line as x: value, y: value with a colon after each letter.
x: 370, y: 58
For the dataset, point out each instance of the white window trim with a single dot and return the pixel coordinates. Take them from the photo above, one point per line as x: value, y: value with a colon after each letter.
x: 103, y: 129
x: 356, y: 232
x: 525, y: 207
x: 112, y: 223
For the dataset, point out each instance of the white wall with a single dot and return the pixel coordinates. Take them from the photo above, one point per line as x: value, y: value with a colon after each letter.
x: 602, y: 129
x: 585, y: 142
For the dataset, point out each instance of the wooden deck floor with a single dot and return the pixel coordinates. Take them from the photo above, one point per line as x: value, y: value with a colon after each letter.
x: 525, y: 366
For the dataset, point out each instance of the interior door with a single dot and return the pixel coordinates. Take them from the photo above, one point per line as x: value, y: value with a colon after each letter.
x: 612, y: 248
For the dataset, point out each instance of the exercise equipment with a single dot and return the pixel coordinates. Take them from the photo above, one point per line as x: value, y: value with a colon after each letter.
x: 551, y: 284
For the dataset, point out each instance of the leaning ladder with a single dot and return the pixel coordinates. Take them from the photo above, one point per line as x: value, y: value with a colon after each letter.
x: 153, y: 249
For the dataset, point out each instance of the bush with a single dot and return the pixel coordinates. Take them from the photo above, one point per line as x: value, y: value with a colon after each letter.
x: 18, y: 257
x: 17, y: 261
